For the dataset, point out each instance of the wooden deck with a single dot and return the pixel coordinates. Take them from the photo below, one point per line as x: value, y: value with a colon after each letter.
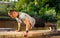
x: 32, y: 34
x: 6, y: 33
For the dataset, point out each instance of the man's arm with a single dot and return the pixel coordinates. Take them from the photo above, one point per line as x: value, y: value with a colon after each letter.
x: 19, y: 24
x: 26, y: 21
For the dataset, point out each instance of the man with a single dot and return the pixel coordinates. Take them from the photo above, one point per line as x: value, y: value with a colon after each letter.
x: 22, y: 18
x: 30, y: 21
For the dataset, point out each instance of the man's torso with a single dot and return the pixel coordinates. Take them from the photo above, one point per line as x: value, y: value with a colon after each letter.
x: 22, y: 16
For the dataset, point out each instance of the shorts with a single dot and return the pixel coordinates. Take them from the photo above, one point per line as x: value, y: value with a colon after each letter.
x: 39, y: 23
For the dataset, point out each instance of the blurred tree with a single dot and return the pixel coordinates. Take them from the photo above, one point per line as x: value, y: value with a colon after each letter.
x: 3, y: 9
x: 30, y: 5
x: 11, y: 5
x: 37, y: 8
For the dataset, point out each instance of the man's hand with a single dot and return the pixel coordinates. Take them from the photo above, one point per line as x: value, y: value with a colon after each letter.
x: 19, y: 27
x: 26, y: 34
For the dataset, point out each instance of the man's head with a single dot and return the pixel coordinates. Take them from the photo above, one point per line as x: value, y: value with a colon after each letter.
x: 13, y: 13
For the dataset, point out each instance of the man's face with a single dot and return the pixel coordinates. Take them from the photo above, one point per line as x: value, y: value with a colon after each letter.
x: 14, y: 14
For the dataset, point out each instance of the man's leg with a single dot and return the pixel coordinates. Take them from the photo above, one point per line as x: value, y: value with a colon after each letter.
x: 55, y: 27
x: 50, y: 28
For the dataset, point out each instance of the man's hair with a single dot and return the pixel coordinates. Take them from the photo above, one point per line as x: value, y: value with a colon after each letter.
x: 11, y: 11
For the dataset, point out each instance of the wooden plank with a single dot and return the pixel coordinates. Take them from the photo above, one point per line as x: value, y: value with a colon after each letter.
x: 32, y: 34
x: 6, y: 29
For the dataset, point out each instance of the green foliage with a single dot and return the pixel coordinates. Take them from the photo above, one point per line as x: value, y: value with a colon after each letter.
x: 48, y: 14
x: 51, y: 15
x: 45, y: 9
x: 3, y: 9
x: 19, y: 5
x: 38, y: 8
x: 11, y: 6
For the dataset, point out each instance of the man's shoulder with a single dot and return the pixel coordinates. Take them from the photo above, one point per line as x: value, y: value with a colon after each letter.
x: 23, y: 13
